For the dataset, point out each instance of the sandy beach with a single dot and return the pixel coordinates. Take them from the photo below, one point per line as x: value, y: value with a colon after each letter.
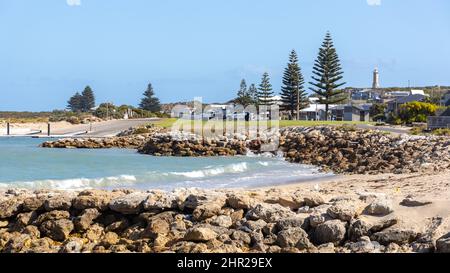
x: 426, y: 187
x: 26, y: 128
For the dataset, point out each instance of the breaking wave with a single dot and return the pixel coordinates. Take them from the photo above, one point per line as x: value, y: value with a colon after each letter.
x: 76, y: 183
x: 232, y: 168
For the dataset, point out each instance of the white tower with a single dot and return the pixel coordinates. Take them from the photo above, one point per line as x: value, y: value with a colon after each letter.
x: 376, y: 79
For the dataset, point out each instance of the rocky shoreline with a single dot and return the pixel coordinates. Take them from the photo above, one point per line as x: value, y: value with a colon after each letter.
x: 202, y: 221
x: 338, y: 149
x: 132, y: 138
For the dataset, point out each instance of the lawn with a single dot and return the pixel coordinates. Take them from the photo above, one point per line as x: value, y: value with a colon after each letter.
x: 168, y: 122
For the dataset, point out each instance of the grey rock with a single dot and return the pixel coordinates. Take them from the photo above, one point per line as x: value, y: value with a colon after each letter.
x: 293, y: 237
x: 129, y: 204
x: 380, y: 207
x: 269, y: 212
x: 330, y: 232
x: 395, y: 235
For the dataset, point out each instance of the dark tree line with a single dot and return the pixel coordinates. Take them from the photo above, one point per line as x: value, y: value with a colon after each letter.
x: 83, y: 102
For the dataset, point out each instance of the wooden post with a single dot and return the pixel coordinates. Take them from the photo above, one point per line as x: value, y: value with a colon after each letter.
x: 7, y: 128
x: 48, y: 129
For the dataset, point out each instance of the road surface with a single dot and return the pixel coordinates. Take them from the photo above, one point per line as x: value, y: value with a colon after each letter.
x: 399, y: 131
x: 101, y: 129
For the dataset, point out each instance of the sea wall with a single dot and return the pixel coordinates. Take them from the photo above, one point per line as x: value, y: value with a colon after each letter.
x: 204, y: 221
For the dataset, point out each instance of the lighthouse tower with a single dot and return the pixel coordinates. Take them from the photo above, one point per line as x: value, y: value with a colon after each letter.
x: 376, y: 79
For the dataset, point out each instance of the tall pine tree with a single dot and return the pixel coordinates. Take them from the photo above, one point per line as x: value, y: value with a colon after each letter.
x: 253, y: 94
x: 149, y: 102
x: 327, y: 74
x: 243, y: 97
x: 75, y: 103
x: 88, y: 100
x: 293, y: 95
x: 265, y: 93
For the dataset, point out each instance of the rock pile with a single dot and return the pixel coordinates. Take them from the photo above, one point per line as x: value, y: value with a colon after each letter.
x: 132, y: 138
x: 337, y: 149
x: 191, y: 145
x: 202, y: 221
x: 364, y: 151
x: 131, y: 142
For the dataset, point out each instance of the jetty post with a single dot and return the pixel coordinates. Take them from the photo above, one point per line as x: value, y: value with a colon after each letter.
x: 7, y: 128
x: 48, y: 129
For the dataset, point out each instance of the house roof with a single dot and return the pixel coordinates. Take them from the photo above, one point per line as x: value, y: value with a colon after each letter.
x: 410, y: 98
x: 314, y: 107
x: 446, y: 112
x: 364, y: 107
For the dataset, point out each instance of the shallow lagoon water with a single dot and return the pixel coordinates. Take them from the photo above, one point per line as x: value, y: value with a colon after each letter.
x: 24, y: 164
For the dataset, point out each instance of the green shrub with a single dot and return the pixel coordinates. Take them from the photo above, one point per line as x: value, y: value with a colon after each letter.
x: 416, y: 111
x: 441, y: 132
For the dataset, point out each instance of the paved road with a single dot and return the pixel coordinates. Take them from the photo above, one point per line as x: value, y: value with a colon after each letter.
x: 102, y: 129
x: 384, y: 129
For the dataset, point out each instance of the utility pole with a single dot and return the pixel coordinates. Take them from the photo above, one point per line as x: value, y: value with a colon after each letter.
x: 298, y: 103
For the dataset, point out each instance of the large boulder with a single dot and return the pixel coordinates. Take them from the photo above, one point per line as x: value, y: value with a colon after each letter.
x: 292, y: 222
x: 129, y: 204
x: 195, y: 200
x: 443, y: 244
x: 380, y: 207
x: 239, y: 201
x: 396, y: 235
x: 345, y: 210
x: 61, y: 201
x: 84, y: 221
x: 10, y: 206
x: 313, y: 199
x: 51, y: 215
x: 330, y: 232
x: 160, y: 200
x: 205, y: 211
x: 200, y: 234
x: 222, y: 221
x: 293, y: 237
x: 269, y: 212
x: 97, y: 199
x: 57, y: 230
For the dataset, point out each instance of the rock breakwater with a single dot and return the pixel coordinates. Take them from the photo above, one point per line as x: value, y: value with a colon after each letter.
x: 364, y: 151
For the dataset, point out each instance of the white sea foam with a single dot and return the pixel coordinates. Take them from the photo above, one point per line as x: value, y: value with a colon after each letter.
x: 76, y: 183
x: 232, y: 168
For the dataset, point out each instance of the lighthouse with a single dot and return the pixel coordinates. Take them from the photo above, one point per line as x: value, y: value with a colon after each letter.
x: 376, y: 79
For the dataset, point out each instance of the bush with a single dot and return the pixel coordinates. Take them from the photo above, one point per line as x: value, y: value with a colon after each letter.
x: 416, y: 111
x: 74, y: 120
x: 442, y: 132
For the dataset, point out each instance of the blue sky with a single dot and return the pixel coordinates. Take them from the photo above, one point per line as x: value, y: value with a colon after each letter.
x: 51, y: 48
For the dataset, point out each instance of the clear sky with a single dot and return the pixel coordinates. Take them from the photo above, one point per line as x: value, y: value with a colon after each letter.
x: 51, y: 48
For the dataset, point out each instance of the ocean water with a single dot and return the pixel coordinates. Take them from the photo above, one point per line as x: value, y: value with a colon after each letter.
x: 25, y: 165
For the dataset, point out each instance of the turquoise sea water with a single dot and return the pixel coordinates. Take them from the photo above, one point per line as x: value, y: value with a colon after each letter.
x: 23, y: 164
